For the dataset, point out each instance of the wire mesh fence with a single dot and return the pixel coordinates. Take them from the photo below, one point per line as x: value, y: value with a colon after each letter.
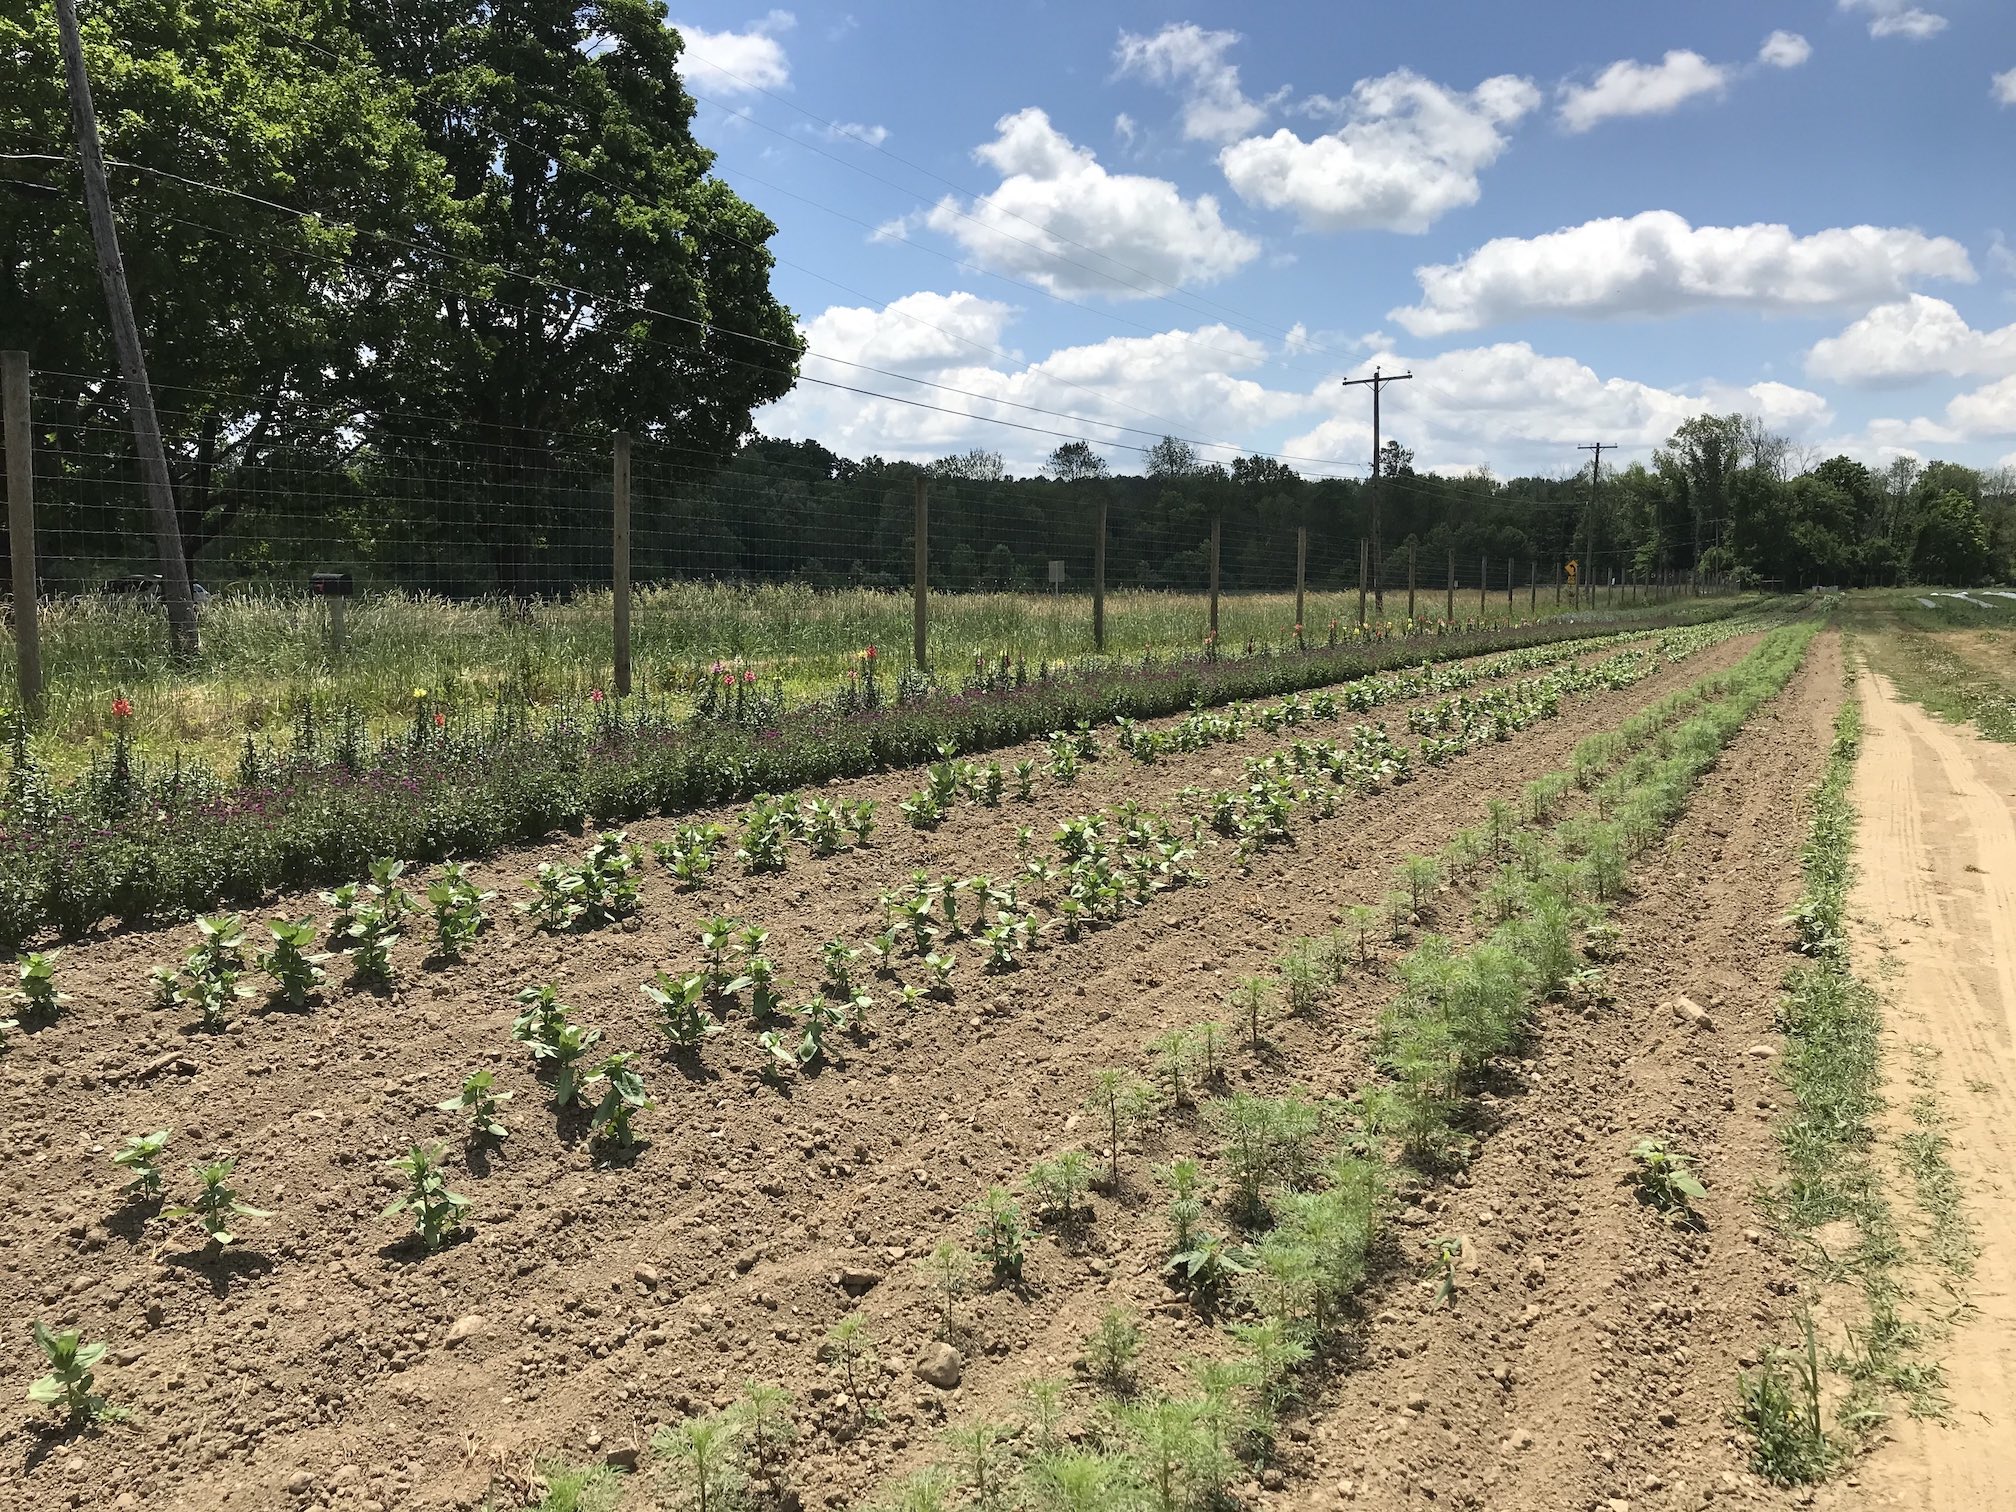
x: 451, y: 532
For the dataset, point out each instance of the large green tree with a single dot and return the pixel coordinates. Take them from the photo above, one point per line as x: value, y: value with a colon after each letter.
x: 253, y: 316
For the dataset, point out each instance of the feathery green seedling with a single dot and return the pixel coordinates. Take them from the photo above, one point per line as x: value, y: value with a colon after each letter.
x: 1000, y: 1233
x: 703, y: 1448
x: 978, y: 1450
x: 1209, y: 1040
x: 948, y: 1270
x: 1113, y: 1349
x: 1665, y: 1179
x: 36, y: 994
x: 1044, y: 1409
x: 768, y: 1431
x: 1252, y: 1000
x: 481, y: 1106
x: 1399, y: 915
x: 437, y: 1212
x: 1420, y: 876
x: 295, y: 971
x: 1059, y: 1186
x: 1171, y: 1453
x: 1303, y: 979
x: 680, y: 1006
x: 216, y: 1204
x: 458, y: 910
x: 850, y: 1346
x: 1174, y: 1056
x: 1361, y: 919
x: 70, y: 1379
x: 138, y: 1155
x: 1119, y: 1099
x: 1273, y: 1355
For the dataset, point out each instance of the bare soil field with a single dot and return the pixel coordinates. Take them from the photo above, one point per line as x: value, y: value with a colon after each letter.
x: 1586, y: 1359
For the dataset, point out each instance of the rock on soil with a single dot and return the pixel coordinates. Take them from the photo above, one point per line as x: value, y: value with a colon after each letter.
x: 939, y: 1365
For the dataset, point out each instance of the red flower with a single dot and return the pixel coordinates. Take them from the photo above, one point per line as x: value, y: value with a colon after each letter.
x: 594, y: 695
x: 440, y: 719
x: 122, y: 706
x: 871, y: 653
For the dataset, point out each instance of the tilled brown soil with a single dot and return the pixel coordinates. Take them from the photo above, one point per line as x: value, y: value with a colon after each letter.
x: 1589, y: 1357
x: 313, y: 1366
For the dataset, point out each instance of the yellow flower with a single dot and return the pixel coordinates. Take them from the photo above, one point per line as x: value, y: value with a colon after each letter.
x: 419, y: 693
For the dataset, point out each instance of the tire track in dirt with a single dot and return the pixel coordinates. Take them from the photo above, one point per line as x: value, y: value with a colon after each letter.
x: 1934, y: 905
x: 1589, y: 1358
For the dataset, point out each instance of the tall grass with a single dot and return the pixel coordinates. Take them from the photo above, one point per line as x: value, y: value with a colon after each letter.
x: 262, y: 653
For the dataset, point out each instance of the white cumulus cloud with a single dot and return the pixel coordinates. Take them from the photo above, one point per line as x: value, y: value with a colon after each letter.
x: 1062, y: 221
x: 1783, y: 49
x: 732, y: 62
x: 1917, y: 337
x: 1407, y: 151
x: 855, y: 131
x: 1897, y: 18
x: 1631, y: 88
x: 2003, y: 87
x: 1655, y: 263
x: 1192, y: 60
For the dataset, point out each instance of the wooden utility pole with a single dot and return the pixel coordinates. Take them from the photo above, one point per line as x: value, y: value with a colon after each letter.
x: 1508, y: 587
x: 1217, y: 535
x: 1483, y: 582
x: 619, y: 555
x: 920, y: 575
x: 1099, y: 578
x: 21, y: 524
x: 1532, y: 589
x: 175, y: 594
x: 1377, y: 382
x: 1595, y: 482
x: 1449, y: 589
x: 1410, y: 580
x: 1364, y: 555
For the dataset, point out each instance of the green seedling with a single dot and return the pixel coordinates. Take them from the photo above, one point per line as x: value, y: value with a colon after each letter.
x: 216, y: 1204
x: 393, y: 900
x: 567, y: 1050
x: 1044, y: 1409
x: 296, y: 972
x: 1059, y: 1186
x: 689, y: 854
x: 768, y: 1431
x: 457, y: 904
x: 1119, y: 1099
x: 209, y: 983
x: 703, y: 1449
x: 437, y: 1212
x: 539, y: 1020
x: 884, y: 946
x: 137, y: 1156
x: 35, y: 993
x: 1113, y: 1350
x: 941, y: 966
x: 680, y: 1006
x: 948, y: 1270
x: 623, y: 1097
x: 1025, y: 781
x: 372, y: 933
x: 1000, y: 1234
x: 480, y: 1105
x: 70, y: 1379
x: 859, y: 817
x: 719, y: 939
x: 1174, y: 1055
x: 1665, y: 1178
x: 1253, y: 1000
x: 850, y: 1346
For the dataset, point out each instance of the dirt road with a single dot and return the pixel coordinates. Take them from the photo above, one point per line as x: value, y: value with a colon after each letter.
x: 1935, y: 913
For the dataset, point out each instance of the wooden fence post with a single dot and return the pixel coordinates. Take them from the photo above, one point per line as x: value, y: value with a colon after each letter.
x: 1508, y: 587
x: 1483, y: 582
x: 619, y: 556
x: 920, y: 574
x: 1217, y: 537
x: 1449, y: 589
x: 1532, y: 589
x: 1301, y: 575
x: 20, y: 436
x: 1410, y: 579
x: 1099, y: 579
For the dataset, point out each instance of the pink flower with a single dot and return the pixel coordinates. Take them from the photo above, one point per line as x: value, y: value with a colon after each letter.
x: 595, y: 695
x: 122, y: 707
x: 748, y: 676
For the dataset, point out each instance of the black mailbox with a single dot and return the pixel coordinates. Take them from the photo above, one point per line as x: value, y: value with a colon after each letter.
x: 329, y: 585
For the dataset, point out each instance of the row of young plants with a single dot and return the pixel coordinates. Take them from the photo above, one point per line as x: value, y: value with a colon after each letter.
x: 1303, y: 1177
x: 135, y: 839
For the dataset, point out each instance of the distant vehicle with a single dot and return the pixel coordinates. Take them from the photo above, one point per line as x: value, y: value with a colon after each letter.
x: 146, y: 585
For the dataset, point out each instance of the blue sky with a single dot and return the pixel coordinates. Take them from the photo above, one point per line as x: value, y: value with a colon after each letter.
x: 1574, y: 222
